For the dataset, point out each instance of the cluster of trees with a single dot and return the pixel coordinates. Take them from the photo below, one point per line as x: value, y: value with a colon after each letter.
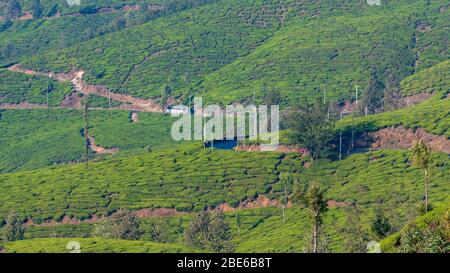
x: 12, y: 229
x: 432, y: 238
x: 207, y: 230
x: 36, y: 9
x: 13, y: 9
x: 379, y: 96
x: 166, y: 91
x: 312, y: 126
x: 120, y: 225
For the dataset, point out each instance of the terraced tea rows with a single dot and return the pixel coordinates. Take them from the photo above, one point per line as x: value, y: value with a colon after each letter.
x: 41, y: 137
x: 191, y: 179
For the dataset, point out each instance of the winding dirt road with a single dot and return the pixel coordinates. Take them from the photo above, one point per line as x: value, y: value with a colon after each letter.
x: 76, y: 78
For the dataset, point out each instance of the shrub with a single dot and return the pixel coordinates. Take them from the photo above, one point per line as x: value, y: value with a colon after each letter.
x: 431, y: 239
x: 12, y: 230
x: 380, y: 225
x: 120, y: 225
x: 159, y: 232
x: 208, y: 230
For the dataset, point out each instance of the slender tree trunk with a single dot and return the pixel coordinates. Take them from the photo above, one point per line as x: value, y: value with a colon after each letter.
x: 315, y: 232
x: 86, y: 133
x: 284, y: 203
x: 426, y: 190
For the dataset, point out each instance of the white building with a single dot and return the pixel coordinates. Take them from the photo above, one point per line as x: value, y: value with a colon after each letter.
x: 178, y: 110
x: 73, y: 2
x: 374, y: 2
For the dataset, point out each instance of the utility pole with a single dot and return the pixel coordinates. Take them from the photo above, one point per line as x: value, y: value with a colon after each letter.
x: 48, y: 87
x: 340, y: 141
x: 204, y: 131
x: 190, y: 94
x: 352, y: 139
x: 109, y: 99
x: 284, y: 203
x: 356, y: 94
x: 254, y: 95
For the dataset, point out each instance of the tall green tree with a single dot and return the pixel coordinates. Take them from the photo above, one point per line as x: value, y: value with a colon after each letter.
x: 313, y: 200
x: 372, y: 98
x: 285, y: 180
x: 380, y: 225
x: 272, y: 97
x: 120, y: 225
x: 392, y: 98
x: 159, y: 231
x: 87, y: 103
x: 353, y: 232
x: 165, y: 93
x: 238, y: 222
x: 219, y: 233
x: 421, y: 158
x: 208, y: 230
x: 9, y: 50
x: 13, y: 9
x: 312, y: 128
x: 196, y: 233
x: 13, y: 229
x: 36, y: 9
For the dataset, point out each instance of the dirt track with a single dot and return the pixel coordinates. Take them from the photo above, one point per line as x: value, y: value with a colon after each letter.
x: 98, y: 149
x: 76, y: 78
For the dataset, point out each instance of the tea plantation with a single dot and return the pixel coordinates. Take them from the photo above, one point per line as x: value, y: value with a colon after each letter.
x: 94, y: 245
x: 191, y: 179
x: 40, y: 137
x: 433, y: 115
x: 18, y: 87
x: 255, y: 46
x: 76, y: 24
x: 228, y: 52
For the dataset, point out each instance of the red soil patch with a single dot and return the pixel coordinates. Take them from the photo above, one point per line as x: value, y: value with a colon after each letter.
x: 131, y: 8
x: 415, y: 99
x: 100, y: 150
x: 159, y: 212
x: 307, y: 165
x: 260, y: 202
x: 142, y: 213
x: 225, y: 207
x: 22, y: 105
x: 25, y: 16
x: 72, y: 101
x: 281, y: 148
x: 401, y: 138
x: 337, y: 204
